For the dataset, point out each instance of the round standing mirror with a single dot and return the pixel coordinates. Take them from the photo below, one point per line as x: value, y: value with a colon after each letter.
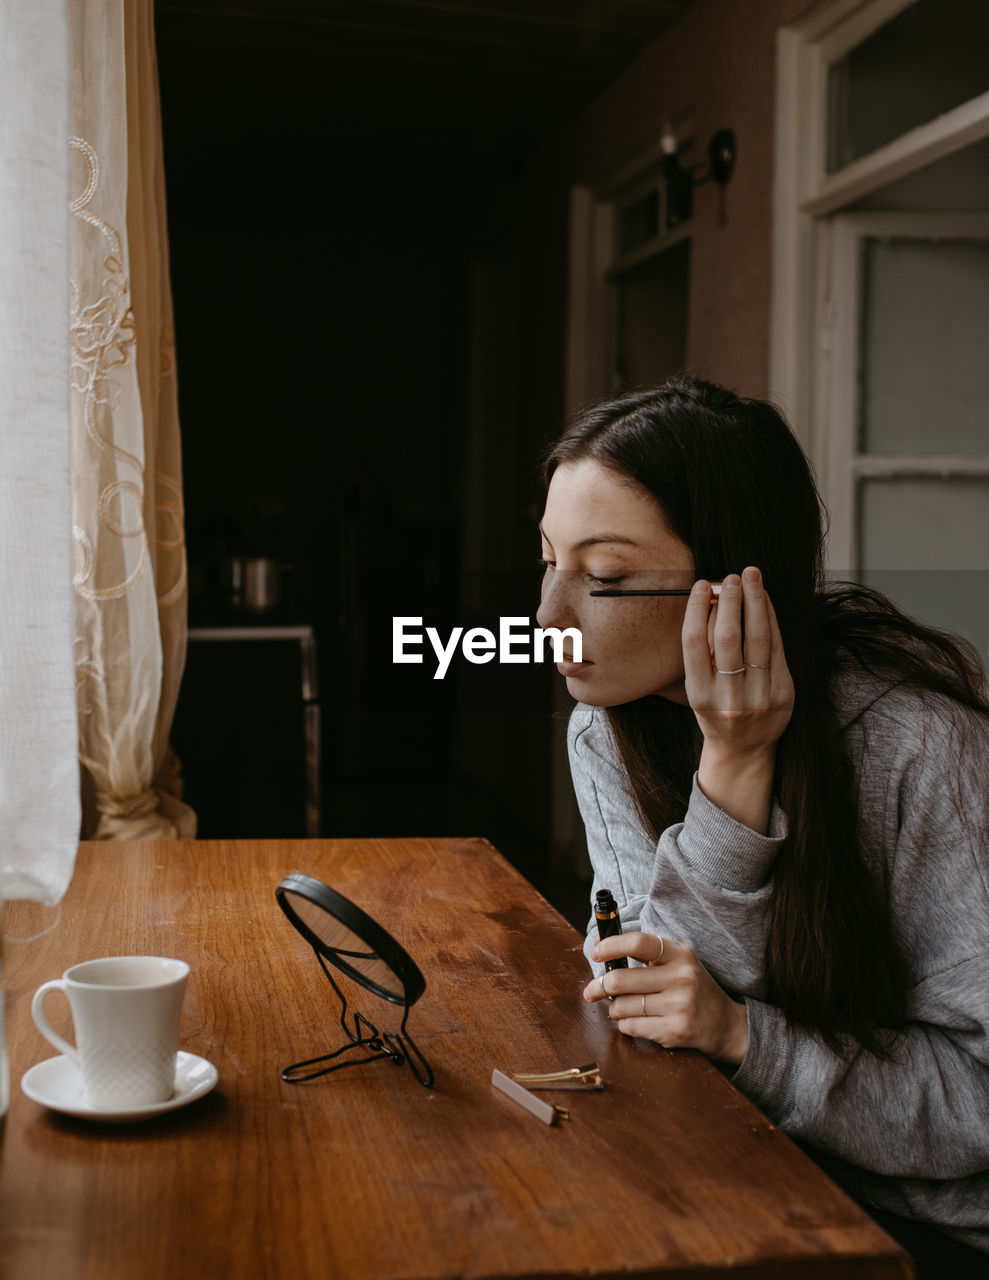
x: 343, y: 935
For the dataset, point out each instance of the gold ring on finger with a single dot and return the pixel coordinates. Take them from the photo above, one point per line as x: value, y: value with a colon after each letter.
x: 757, y: 666
x: 737, y: 671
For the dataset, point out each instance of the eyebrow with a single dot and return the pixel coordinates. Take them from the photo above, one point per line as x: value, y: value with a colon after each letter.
x: 596, y: 539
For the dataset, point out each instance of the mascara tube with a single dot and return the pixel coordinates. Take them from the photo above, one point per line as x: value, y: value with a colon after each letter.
x: 609, y: 924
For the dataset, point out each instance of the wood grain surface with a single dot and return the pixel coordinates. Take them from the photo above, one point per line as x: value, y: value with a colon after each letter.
x: 365, y: 1173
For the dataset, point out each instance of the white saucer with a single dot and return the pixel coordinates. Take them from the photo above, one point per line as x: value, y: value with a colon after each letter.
x: 56, y: 1083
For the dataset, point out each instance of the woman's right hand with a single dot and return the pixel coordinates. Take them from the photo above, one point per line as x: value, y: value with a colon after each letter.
x: 741, y: 691
x: 670, y: 998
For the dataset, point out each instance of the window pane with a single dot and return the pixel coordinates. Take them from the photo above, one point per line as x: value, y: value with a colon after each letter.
x: 640, y: 221
x: 925, y: 335
x: 955, y: 600
x: 925, y: 543
x: 924, y: 522
x: 928, y: 59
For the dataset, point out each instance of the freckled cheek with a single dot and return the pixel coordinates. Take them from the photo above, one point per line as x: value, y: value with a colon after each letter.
x: 667, y: 636
x: 616, y: 633
x: 651, y: 637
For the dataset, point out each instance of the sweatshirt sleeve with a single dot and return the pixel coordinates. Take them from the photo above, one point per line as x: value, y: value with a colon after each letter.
x: 706, y: 882
x: 711, y: 887
x: 923, y: 1112
x: 620, y: 851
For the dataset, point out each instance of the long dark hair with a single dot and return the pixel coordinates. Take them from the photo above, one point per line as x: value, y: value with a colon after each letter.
x: 735, y: 486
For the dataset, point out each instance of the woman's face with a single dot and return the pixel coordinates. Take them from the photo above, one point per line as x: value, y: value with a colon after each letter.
x: 600, y: 529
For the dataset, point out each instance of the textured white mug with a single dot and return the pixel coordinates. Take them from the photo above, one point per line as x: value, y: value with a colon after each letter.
x: 126, y: 1015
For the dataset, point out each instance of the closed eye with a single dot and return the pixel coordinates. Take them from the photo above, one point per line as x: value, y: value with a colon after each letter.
x: 597, y: 579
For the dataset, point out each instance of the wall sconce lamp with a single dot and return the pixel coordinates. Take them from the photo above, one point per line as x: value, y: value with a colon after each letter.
x: 681, y: 179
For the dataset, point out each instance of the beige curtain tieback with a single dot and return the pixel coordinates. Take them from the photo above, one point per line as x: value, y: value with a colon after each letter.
x: 137, y: 806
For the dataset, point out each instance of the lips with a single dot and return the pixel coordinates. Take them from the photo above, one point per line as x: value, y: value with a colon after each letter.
x: 570, y: 668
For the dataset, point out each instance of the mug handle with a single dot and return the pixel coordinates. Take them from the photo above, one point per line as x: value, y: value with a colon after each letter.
x: 41, y: 1022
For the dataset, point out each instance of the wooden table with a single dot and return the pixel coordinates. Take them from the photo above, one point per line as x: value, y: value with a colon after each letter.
x: 366, y: 1173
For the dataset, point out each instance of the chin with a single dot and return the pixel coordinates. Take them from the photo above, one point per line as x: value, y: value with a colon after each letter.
x: 605, y: 697
x: 600, y: 697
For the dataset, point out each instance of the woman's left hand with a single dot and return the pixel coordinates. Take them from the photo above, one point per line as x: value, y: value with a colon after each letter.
x: 673, y: 1000
x: 741, y: 692
x: 736, y: 678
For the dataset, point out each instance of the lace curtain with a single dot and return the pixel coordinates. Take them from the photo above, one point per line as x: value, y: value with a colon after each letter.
x: 39, y: 771
x: 130, y: 576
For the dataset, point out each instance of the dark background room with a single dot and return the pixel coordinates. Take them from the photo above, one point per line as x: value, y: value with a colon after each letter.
x: 367, y: 380
x: 364, y: 397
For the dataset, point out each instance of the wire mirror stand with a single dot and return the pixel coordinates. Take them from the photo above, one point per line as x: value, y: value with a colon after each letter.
x: 339, y: 932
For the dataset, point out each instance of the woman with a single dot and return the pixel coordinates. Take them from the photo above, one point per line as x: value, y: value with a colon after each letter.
x: 787, y: 790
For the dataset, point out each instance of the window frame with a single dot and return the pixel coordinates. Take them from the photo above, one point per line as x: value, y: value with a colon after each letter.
x: 841, y: 348
x: 806, y: 196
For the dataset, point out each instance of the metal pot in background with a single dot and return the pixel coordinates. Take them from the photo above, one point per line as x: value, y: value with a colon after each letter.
x: 256, y: 583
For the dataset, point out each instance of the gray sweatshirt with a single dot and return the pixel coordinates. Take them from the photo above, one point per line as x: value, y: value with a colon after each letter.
x: 909, y: 1134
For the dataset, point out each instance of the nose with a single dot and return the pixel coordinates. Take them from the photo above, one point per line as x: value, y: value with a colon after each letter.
x: 556, y: 604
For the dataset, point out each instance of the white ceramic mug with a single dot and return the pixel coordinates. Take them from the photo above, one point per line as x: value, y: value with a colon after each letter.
x: 126, y: 1015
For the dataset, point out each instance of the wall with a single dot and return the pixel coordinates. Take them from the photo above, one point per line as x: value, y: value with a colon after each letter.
x: 719, y: 64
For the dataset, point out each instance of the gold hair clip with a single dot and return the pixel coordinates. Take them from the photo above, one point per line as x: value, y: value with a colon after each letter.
x: 588, y: 1077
